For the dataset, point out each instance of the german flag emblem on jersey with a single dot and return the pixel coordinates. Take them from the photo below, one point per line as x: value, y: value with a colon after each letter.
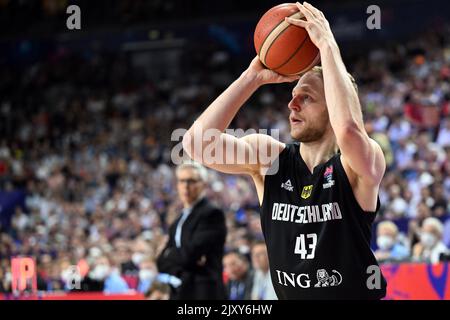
x: 306, y: 192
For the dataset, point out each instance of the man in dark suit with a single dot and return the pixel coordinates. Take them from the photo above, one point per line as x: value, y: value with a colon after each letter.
x: 195, y: 247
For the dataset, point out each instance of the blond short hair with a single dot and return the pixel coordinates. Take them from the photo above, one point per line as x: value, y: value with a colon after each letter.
x: 319, y: 70
x: 435, y: 223
x: 388, y: 225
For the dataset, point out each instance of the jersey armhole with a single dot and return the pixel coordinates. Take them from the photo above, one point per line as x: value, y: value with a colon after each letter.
x: 370, y: 214
x: 287, y: 147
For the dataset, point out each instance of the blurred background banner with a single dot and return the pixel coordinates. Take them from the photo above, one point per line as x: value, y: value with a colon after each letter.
x: 417, y: 281
x: 75, y: 296
x: 9, y: 201
x: 34, y: 39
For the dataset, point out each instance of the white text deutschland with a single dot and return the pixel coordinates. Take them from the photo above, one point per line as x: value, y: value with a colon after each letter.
x: 306, y: 214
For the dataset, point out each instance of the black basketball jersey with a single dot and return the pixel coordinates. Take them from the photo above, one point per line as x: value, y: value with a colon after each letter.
x: 317, y: 235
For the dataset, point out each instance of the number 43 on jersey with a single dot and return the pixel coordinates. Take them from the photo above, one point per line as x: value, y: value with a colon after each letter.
x: 306, y: 247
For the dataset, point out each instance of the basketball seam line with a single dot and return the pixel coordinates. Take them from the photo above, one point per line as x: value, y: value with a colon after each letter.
x: 312, y: 63
x: 295, y: 52
x: 273, y: 41
x: 315, y: 61
x: 270, y: 33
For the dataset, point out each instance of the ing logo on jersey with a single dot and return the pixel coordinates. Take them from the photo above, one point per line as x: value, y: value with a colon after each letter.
x: 306, y: 192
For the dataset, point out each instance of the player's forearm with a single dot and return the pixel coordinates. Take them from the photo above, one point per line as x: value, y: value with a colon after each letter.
x: 346, y: 118
x: 221, y: 112
x: 342, y: 99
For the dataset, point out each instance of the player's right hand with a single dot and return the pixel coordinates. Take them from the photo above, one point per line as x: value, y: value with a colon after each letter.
x: 265, y: 76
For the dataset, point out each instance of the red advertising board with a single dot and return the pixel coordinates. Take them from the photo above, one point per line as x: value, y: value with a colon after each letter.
x: 406, y: 281
x: 417, y: 281
x: 74, y: 296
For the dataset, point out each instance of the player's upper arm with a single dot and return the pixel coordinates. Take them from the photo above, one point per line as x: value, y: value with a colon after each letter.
x: 362, y: 155
x: 229, y: 154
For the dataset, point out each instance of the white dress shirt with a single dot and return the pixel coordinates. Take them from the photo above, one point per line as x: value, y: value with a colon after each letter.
x: 186, y: 212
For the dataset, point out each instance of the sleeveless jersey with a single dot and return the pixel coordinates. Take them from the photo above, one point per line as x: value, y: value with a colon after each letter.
x: 317, y: 235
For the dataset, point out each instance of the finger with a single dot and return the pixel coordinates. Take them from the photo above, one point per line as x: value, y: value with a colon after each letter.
x: 308, y: 14
x: 296, y: 22
x: 313, y: 9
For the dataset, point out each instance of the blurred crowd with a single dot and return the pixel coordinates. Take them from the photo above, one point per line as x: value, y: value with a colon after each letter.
x: 37, y: 16
x: 89, y: 140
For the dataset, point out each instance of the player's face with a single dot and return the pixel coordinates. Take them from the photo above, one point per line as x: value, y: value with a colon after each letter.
x: 386, y: 232
x: 259, y: 257
x: 189, y: 185
x: 233, y: 267
x: 309, y: 115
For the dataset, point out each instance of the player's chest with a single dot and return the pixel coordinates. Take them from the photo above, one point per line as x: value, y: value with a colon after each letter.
x: 307, y: 189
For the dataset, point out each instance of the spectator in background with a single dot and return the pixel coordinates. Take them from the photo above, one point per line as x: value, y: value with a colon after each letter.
x: 6, y: 280
x: 240, y: 279
x: 114, y: 283
x: 441, y: 204
x: 122, y: 256
x: 390, y: 248
x: 262, y: 288
x: 49, y: 275
x: 443, y: 137
x: 158, y: 291
x: 430, y: 246
x: 64, y: 267
x: 108, y: 276
x: 147, y: 274
x: 446, y: 234
x: 414, y: 225
x: 196, y: 241
x: 397, y: 204
x: 2, y: 281
x: 141, y: 250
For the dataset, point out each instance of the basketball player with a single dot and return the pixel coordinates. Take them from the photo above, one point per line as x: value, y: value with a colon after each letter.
x: 318, y: 206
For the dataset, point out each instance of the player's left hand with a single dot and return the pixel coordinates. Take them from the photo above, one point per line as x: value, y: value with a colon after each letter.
x: 263, y: 75
x: 316, y: 24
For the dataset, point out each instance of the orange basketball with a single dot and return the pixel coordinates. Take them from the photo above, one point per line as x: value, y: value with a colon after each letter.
x: 283, y: 47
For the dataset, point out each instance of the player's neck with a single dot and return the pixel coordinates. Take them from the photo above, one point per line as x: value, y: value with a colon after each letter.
x: 317, y: 152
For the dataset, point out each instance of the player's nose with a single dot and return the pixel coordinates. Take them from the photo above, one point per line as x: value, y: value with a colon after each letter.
x: 294, y: 106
